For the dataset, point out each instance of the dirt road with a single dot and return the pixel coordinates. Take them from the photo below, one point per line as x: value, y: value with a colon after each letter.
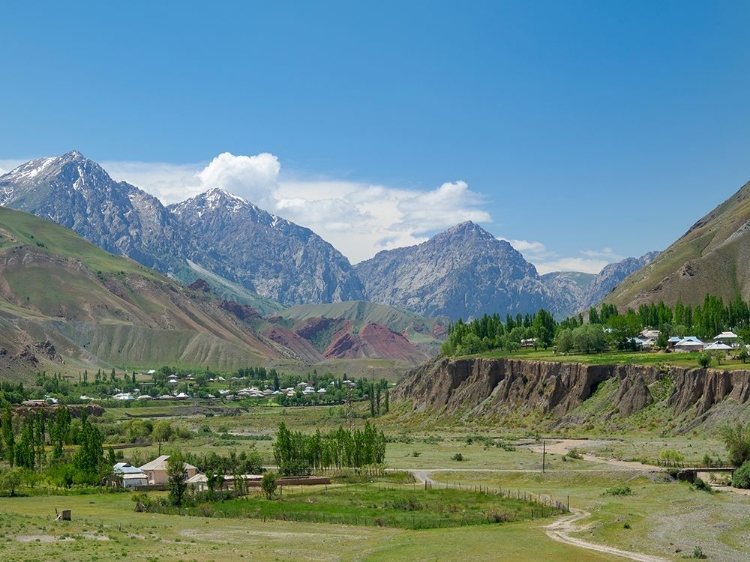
x: 560, y: 531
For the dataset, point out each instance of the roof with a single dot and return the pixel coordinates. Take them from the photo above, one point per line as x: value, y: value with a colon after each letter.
x: 160, y: 463
x: 688, y: 339
x: 126, y: 468
x: 718, y: 345
x: 727, y: 336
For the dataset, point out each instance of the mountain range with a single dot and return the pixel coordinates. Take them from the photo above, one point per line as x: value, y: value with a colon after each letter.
x: 66, y: 305
x: 254, y: 258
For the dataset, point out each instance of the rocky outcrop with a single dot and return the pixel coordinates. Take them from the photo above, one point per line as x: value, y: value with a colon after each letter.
x: 505, y: 387
x: 462, y: 272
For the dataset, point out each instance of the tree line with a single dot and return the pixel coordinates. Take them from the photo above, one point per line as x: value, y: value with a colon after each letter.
x: 25, y: 439
x: 602, y: 327
x: 297, y: 453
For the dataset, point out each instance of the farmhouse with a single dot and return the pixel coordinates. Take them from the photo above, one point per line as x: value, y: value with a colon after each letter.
x: 156, y: 470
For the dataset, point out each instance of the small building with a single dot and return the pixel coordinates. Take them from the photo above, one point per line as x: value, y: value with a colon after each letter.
x: 689, y: 343
x: 729, y: 338
x: 129, y: 476
x: 156, y: 470
x: 650, y: 334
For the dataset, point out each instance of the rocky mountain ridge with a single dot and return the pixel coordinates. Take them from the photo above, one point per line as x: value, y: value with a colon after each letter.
x: 67, y: 304
x: 216, y: 230
x: 255, y: 258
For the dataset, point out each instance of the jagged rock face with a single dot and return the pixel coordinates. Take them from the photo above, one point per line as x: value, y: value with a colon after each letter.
x: 611, y: 276
x: 501, y: 388
x: 463, y: 272
x: 78, y: 194
x: 220, y: 232
x: 575, y: 292
x: 267, y: 254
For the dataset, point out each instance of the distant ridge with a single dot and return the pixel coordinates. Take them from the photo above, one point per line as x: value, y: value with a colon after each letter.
x: 712, y: 257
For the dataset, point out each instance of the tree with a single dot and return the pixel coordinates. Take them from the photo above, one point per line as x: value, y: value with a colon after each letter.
x: 268, y: 484
x: 704, y: 359
x: 737, y: 440
x: 11, y: 479
x: 178, y: 477
x: 589, y: 337
x: 741, y: 476
x: 565, y: 340
x: 9, y: 436
x: 162, y: 432
x: 742, y: 355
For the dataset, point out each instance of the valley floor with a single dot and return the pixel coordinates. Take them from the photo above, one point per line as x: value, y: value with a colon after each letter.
x: 657, y: 519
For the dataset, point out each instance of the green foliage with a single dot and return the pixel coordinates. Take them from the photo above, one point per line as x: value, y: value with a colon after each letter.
x: 670, y: 457
x: 11, y: 479
x: 298, y: 453
x: 702, y: 485
x: 618, y: 491
x: 89, y: 458
x: 704, y: 359
x: 457, y: 457
x: 736, y: 437
x: 589, y: 337
x: 697, y: 554
x: 741, y: 477
x: 178, y: 476
x: 268, y: 484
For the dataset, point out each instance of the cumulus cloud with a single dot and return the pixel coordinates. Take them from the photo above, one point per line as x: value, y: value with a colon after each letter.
x: 449, y: 204
x: 252, y: 177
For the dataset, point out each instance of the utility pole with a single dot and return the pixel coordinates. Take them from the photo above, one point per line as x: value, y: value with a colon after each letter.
x: 544, y: 454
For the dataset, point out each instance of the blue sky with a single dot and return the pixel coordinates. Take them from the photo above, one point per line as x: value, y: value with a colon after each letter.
x: 582, y: 131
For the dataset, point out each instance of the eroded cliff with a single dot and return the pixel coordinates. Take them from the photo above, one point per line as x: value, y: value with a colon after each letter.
x: 565, y: 394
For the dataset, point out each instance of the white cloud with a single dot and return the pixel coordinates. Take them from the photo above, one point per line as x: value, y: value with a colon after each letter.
x: 547, y: 261
x: 251, y: 177
x: 586, y: 265
x: 604, y: 253
x: 171, y: 183
x: 449, y: 204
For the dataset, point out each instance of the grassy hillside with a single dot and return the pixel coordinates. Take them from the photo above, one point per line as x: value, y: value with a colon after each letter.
x: 98, y: 308
x: 713, y: 256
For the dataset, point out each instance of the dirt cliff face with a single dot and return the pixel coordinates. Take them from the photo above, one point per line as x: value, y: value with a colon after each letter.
x: 500, y: 388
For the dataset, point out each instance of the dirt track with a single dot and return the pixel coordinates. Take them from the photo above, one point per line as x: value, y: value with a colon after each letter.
x: 560, y: 529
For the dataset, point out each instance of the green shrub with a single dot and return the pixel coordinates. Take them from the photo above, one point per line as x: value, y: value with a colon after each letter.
x: 700, y: 484
x: 457, y: 457
x: 618, y: 491
x: 741, y: 478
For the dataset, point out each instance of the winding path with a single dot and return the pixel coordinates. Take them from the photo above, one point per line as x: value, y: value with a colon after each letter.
x: 560, y: 531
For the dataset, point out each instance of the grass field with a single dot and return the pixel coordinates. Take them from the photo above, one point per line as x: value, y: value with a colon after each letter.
x: 659, y: 517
